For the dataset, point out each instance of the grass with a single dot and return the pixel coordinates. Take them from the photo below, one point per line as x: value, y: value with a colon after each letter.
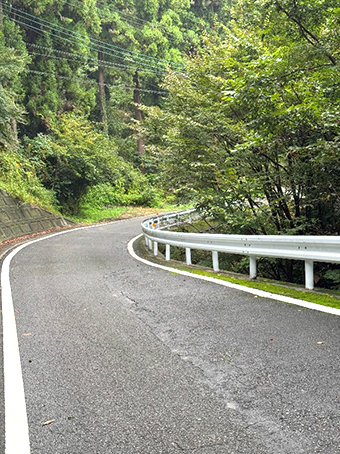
x: 318, y: 296
x: 93, y: 215
x: 312, y: 296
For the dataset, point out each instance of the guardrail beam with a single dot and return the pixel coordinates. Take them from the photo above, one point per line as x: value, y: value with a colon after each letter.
x: 308, y: 248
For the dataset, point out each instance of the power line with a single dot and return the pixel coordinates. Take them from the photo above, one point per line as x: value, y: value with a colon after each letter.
x: 90, y: 82
x: 56, y: 37
x: 71, y: 57
x: 68, y: 33
x: 95, y: 42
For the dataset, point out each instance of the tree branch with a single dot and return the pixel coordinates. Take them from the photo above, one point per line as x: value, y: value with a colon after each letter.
x: 307, y: 34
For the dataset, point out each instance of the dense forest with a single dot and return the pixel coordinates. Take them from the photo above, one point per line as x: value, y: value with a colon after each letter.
x: 73, y: 77
x: 230, y: 105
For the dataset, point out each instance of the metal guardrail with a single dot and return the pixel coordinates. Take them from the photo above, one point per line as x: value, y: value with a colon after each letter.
x: 310, y: 249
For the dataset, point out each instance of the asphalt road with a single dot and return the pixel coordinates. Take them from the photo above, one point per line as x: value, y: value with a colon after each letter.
x: 129, y: 359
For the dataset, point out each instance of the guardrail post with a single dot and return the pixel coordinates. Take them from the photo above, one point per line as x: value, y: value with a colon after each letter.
x: 309, y: 274
x: 155, y: 248
x: 167, y: 252
x: 188, y: 255
x: 150, y: 244
x: 252, y: 267
x: 216, y: 266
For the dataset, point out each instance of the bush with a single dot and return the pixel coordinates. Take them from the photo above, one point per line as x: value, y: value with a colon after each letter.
x: 104, y: 195
x: 18, y: 178
x: 82, y: 167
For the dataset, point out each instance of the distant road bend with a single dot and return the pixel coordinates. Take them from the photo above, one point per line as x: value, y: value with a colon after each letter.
x: 121, y: 358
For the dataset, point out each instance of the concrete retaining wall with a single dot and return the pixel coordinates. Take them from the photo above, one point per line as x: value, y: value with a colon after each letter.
x: 17, y: 219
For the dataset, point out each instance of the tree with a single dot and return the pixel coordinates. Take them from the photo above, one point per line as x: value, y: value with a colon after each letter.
x: 74, y: 157
x: 12, y: 63
x: 55, y: 35
x: 251, y: 131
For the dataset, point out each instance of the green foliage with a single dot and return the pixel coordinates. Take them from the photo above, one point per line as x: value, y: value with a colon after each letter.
x: 252, y: 130
x: 104, y: 195
x: 17, y: 177
x: 62, y: 40
x: 330, y: 277
x: 11, y: 64
x: 81, y: 166
x: 72, y: 157
x: 53, y: 81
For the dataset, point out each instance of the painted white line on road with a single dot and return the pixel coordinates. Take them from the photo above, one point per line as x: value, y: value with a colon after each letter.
x: 282, y: 298
x: 16, y: 423
x: 16, y: 426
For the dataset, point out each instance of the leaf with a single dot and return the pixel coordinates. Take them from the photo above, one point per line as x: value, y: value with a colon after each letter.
x: 48, y: 422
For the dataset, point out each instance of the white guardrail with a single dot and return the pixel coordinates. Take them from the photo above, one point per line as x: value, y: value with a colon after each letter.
x: 308, y: 248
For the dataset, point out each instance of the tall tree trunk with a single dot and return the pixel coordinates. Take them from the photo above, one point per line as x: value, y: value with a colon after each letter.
x: 15, y: 129
x: 138, y: 113
x: 102, y: 103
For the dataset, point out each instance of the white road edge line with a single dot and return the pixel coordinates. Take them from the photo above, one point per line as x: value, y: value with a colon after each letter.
x: 16, y: 422
x: 16, y: 426
x: 282, y: 298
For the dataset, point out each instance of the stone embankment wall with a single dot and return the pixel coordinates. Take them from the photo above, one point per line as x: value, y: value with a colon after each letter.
x: 17, y: 219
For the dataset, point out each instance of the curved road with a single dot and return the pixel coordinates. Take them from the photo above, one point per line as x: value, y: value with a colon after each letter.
x: 121, y: 358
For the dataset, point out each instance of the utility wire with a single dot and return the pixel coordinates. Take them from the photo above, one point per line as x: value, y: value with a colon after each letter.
x: 72, y: 56
x: 56, y: 37
x: 96, y: 42
x: 90, y: 82
x: 68, y: 33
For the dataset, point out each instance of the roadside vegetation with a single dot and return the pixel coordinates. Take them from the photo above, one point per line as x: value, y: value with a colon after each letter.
x: 252, y: 132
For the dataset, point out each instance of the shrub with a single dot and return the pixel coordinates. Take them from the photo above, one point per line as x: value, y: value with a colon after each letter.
x: 18, y: 178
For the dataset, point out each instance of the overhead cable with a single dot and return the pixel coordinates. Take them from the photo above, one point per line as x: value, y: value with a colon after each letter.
x: 70, y: 56
x: 103, y: 45
x: 89, y: 81
x: 58, y: 38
